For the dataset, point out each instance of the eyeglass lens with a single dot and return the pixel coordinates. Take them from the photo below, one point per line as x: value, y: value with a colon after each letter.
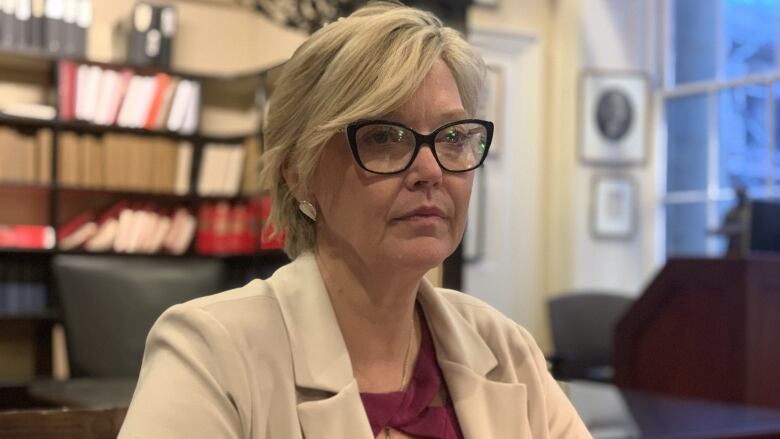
x: 389, y: 148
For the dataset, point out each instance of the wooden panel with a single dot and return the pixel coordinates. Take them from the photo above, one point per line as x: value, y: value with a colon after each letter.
x: 62, y: 424
x: 705, y: 329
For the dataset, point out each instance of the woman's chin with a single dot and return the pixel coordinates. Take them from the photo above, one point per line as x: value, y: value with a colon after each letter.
x: 421, y: 254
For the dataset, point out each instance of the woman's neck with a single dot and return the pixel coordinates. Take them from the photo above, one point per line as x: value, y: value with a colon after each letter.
x: 375, y: 312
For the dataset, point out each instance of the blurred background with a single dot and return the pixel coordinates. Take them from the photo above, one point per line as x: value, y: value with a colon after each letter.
x: 632, y: 183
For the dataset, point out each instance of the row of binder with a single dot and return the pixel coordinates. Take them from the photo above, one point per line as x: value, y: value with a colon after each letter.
x: 22, y: 285
x: 53, y: 26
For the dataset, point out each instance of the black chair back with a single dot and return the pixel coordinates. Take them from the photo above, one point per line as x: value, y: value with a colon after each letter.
x: 583, y: 325
x: 109, y: 303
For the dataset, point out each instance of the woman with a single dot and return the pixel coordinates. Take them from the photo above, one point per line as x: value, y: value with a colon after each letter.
x: 371, y: 151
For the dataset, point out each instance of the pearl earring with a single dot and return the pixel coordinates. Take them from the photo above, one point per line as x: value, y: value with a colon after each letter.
x: 308, y: 209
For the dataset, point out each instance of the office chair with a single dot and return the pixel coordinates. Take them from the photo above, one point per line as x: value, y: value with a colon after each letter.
x: 582, y: 328
x: 109, y: 303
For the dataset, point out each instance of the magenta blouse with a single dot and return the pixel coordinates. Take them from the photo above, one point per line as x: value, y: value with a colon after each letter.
x: 410, y: 411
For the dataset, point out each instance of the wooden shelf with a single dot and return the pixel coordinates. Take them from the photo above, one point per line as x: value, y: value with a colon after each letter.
x: 47, y: 315
x: 90, y: 128
x: 41, y: 61
x: 260, y: 254
x: 21, y: 186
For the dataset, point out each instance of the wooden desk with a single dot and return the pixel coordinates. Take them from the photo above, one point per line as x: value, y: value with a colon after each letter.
x: 611, y: 412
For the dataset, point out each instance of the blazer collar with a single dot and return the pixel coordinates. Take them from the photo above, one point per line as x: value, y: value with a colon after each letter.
x: 319, y: 354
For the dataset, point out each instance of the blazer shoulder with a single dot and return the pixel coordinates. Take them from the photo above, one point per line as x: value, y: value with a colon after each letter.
x: 243, y: 312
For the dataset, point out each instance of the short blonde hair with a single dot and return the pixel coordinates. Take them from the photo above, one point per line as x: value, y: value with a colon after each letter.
x: 359, y: 67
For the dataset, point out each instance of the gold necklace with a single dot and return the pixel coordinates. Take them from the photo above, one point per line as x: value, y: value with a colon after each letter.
x: 405, y: 366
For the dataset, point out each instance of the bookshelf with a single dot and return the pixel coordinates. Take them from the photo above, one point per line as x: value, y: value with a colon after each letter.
x: 51, y: 193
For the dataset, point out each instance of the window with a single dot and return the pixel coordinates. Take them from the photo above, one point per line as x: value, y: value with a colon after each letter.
x: 721, y: 96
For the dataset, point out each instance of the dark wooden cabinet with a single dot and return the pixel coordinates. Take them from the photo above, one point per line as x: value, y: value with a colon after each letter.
x: 706, y: 328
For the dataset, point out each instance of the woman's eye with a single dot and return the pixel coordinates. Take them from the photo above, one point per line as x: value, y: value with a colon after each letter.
x: 454, y: 136
x: 389, y: 135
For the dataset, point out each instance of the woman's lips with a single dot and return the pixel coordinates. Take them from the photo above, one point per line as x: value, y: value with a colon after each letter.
x: 423, y: 216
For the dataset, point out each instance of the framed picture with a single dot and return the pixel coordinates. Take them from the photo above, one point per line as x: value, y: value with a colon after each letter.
x: 613, y: 207
x: 491, y: 103
x: 613, y: 117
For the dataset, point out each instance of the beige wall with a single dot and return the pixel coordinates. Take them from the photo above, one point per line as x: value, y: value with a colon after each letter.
x: 574, y: 35
x: 212, y: 38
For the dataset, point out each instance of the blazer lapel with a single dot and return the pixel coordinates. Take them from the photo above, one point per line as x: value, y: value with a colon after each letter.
x: 329, y: 404
x: 485, y: 408
x: 338, y: 416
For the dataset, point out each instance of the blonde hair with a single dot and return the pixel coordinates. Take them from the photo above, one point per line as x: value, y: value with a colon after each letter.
x: 362, y: 66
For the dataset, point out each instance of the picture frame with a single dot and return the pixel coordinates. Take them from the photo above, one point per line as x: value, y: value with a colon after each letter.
x: 613, y: 117
x: 491, y: 103
x: 613, y: 207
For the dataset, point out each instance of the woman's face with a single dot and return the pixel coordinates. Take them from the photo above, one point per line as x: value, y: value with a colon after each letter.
x: 413, y: 219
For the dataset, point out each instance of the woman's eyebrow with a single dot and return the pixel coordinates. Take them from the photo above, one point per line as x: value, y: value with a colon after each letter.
x: 441, y: 119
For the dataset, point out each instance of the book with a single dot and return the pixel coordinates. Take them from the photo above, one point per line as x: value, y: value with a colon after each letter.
x: 130, y: 102
x: 66, y: 89
x: 85, y: 110
x: 192, y: 110
x: 204, y: 239
x: 161, y: 229
x: 69, y: 15
x: 30, y: 111
x: 182, y: 230
x: 165, y: 105
x: 83, y: 23
x: 103, y: 239
x: 23, y: 29
x: 161, y: 84
x: 181, y: 99
x: 8, y: 23
x: 68, y: 163
x: 80, y: 91
x: 44, y: 142
x: 234, y: 167
x: 184, y: 151
x: 54, y: 11
x: 27, y: 236
x: 107, y: 91
x: 37, y: 21
x: 76, y: 232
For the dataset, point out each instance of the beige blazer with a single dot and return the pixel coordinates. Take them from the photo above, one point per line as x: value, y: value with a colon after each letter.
x: 268, y: 361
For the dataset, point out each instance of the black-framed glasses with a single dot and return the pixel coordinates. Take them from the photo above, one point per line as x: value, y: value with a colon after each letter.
x: 384, y: 147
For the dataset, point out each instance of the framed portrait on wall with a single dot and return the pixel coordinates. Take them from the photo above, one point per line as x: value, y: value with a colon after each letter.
x: 613, y: 207
x: 491, y: 103
x: 613, y: 117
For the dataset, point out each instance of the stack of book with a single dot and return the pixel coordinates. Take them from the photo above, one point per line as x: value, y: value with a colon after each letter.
x: 124, y: 162
x: 22, y: 287
x: 221, y: 169
x: 52, y: 26
x: 25, y: 158
x: 129, y: 228
x: 225, y: 229
x: 107, y: 96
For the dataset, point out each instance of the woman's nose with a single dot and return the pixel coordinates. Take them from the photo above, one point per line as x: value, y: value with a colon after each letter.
x: 425, y: 169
